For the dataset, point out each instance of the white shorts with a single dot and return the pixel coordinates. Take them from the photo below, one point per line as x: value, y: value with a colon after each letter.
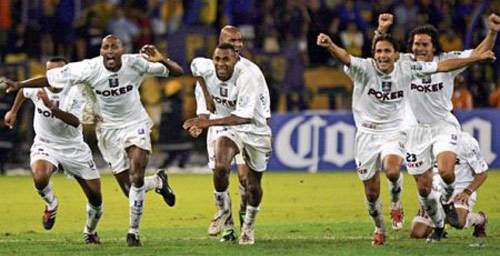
x: 426, y: 141
x: 371, y: 148
x: 75, y: 161
x: 254, y: 149
x: 113, y: 142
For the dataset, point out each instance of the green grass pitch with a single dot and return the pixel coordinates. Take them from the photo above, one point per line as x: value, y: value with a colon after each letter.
x: 301, y: 214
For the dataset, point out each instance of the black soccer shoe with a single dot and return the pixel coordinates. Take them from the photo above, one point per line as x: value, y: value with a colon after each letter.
x: 133, y: 239
x: 436, y: 235
x: 165, y: 190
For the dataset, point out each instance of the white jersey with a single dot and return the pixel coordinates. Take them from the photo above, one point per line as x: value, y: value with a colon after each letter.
x: 469, y: 163
x: 117, y: 93
x: 430, y: 96
x: 378, y: 102
x: 245, y: 94
x: 50, y: 129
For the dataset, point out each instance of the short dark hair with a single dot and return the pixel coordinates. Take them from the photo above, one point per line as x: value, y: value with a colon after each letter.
x: 59, y: 59
x: 388, y: 38
x: 428, y: 30
x: 226, y: 46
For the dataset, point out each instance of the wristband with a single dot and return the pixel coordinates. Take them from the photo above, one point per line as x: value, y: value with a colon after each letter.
x: 468, y: 191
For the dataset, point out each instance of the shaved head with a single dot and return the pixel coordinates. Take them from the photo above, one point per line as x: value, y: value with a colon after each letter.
x: 112, y: 50
x: 114, y: 38
x: 232, y: 35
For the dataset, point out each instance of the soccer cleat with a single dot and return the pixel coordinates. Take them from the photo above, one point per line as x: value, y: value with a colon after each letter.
x: 480, y: 230
x: 133, y: 239
x: 217, y: 222
x: 378, y: 239
x: 247, y: 235
x: 228, y: 236
x: 165, y: 190
x: 451, y: 214
x: 436, y: 235
x: 49, y: 218
x: 397, y: 218
x: 91, y: 238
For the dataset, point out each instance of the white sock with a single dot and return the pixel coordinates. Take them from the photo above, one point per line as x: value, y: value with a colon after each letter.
x: 151, y: 182
x: 473, y: 219
x: 48, y: 196
x: 250, y: 215
x: 375, y: 211
x: 93, y: 216
x: 433, y: 208
x: 447, y: 192
x: 136, y: 205
x: 222, y: 201
x: 395, y: 190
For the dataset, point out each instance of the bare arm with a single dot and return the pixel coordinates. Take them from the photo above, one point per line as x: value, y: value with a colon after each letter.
x: 150, y: 53
x: 209, y: 101
x: 174, y: 68
x: 202, y: 123
x: 337, y: 52
x: 453, y: 64
x: 30, y: 83
x: 10, y: 116
x: 477, y: 182
x: 58, y: 113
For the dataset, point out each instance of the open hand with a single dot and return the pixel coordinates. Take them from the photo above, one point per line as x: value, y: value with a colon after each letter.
x: 150, y: 53
x: 200, y: 123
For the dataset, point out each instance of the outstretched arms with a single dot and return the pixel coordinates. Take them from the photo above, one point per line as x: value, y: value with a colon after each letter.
x: 453, y: 64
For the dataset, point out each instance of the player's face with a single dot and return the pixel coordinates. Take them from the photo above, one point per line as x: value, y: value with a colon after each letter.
x: 385, y: 56
x: 112, y: 51
x: 224, y: 61
x: 422, y: 47
x: 233, y: 38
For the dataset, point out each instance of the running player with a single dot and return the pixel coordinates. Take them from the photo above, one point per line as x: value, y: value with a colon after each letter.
x: 123, y: 134
x: 434, y: 137
x: 470, y: 171
x: 59, y: 143
x: 231, y: 35
x: 378, y: 109
x: 238, y: 126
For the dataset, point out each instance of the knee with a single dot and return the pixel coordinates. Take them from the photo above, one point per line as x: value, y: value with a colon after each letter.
x: 254, y: 188
x: 447, y: 175
x: 221, y: 170
x: 138, y: 163
x: 392, y: 173
x: 424, y: 190
x: 137, y: 178
x: 40, y: 178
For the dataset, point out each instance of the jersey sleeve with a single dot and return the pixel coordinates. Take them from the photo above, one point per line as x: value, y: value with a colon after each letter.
x: 147, y: 67
x: 201, y: 67
x: 358, y: 69
x: 474, y: 157
x: 201, y: 104
x: 71, y: 74
x: 30, y: 93
x: 248, y: 91
x: 456, y: 55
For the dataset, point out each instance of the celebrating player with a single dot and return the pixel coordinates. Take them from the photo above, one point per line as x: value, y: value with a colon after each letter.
x: 378, y: 109
x: 59, y: 143
x: 470, y: 172
x: 434, y: 137
x: 238, y: 126
x: 123, y: 134
x: 205, y: 105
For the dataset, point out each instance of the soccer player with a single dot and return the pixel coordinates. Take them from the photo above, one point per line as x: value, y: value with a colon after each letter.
x: 434, y: 137
x: 238, y: 126
x: 205, y: 105
x: 470, y: 172
x: 378, y: 109
x: 59, y: 143
x: 123, y: 134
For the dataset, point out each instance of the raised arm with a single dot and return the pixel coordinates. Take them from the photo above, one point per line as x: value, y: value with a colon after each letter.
x: 336, y: 51
x: 489, y: 41
x: 10, y: 116
x: 453, y: 64
x: 150, y: 53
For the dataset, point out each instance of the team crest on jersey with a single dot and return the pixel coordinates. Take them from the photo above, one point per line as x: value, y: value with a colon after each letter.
x: 426, y: 80
x: 141, y: 131
x: 416, y: 66
x: 386, y: 86
x: 223, y: 92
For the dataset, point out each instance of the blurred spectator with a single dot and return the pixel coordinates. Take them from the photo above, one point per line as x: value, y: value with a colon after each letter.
x: 450, y: 41
x: 90, y: 37
x: 494, y: 98
x: 352, y: 39
x: 462, y: 97
x: 348, y: 12
x: 124, y: 28
x: 320, y: 19
x: 406, y: 14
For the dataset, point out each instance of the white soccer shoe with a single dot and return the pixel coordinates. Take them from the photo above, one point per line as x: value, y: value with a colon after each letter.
x: 217, y: 222
x: 247, y: 235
